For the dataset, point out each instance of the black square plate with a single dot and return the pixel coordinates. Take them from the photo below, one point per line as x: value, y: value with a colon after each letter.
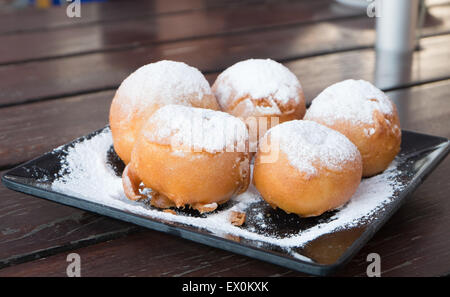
x: 419, y: 155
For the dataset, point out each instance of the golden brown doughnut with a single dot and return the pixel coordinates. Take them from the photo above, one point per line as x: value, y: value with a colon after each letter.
x: 147, y: 89
x: 258, y: 89
x: 191, y: 156
x: 366, y: 116
x: 311, y: 169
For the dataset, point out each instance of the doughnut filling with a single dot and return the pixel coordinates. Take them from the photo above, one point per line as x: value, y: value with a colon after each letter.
x: 148, y: 88
x: 258, y: 89
x: 306, y: 168
x: 189, y: 156
x: 364, y: 114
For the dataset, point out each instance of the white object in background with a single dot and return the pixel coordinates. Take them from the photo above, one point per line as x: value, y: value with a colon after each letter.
x: 354, y: 3
x: 396, y: 25
x: 393, y: 69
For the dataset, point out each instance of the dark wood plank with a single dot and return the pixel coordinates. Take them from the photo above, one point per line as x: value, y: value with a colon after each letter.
x: 31, y: 18
x: 428, y: 64
x: 42, y: 126
x: 134, y: 32
x: 35, y: 19
x: 74, y: 75
x: 165, y: 28
x: 149, y: 254
x: 406, y: 244
x: 33, y: 228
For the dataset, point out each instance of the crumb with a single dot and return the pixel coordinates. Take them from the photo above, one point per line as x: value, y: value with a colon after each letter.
x: 237, y: 218
x: 202, y: 208
x: 233, y: 237
x: 161, y: 201
x: 170, y: 211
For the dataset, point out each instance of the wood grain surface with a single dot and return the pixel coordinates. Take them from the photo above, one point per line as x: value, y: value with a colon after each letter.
x: 54, y: 78
x: 58, y: 76
x: 132, y: 32
x: 31, y: 19
x: 33, y: 228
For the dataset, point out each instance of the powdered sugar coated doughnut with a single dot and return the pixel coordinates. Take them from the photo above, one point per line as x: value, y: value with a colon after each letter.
x: 309, y: 145
x: 190, y: 156
x: 196, y: 129
x: 148, y: 88
x: 363, y: 113
x: 258, y: 88
x: 316, y: 169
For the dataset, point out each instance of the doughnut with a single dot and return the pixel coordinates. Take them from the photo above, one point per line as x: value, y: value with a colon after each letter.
x: 306, y: 168
x: 364, y: 114
x: 259, y: 89
x: 190, y: 157
x: 148, y: 88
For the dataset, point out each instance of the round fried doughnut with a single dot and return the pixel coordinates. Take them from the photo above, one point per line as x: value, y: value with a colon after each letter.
x: 191, y: 156
x: 364, y: 114
x: 147, y: 89
x: 259, y: 89
x: 306, y: 168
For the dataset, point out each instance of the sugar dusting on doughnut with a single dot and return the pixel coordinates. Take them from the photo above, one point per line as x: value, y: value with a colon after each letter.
x: 357, y: 101
x: 148, y: 88
x: 164, y: 81
x: 192, y: 157
x: 308, y: 144
x: 258, y: 79
x: 366, y: 116
x: 197, y: 128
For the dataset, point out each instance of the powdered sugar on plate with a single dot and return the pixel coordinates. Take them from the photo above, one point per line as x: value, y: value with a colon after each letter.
x: 258, y: 79
x: 86, y: 174
x: 351, y: 100
x: 308, y: 144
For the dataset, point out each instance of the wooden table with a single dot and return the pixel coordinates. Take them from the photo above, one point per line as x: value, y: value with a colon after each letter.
x: 58, y: 76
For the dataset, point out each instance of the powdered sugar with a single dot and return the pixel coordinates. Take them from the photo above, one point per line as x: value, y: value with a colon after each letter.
x: 369, y: 131
x: 371, y: 196
x: 350, y: 100
x: 308, y: 144
x: 258, y: 79
x: 87, y: 175
x: 196, y: 129
x: 163, y: 82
